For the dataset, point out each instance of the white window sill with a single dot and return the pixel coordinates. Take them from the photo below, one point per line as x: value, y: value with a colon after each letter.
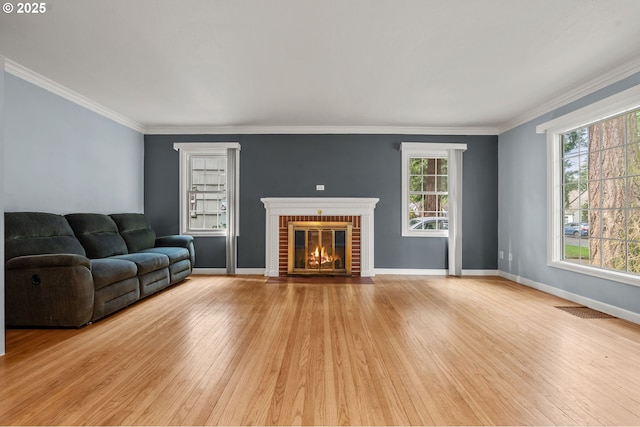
x: 616, y: 276
x: 435, y: 233
x: 220, y: 233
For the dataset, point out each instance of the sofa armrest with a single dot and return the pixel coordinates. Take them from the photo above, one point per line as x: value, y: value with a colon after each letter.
x: 48, y: 291
x: 47, y: 261
x: 178, y: 241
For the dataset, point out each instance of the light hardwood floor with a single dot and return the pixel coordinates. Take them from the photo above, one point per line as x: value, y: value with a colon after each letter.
x: 406, y: 350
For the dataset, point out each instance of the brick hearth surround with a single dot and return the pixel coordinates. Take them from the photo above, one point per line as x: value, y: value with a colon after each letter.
x: 283, y: 238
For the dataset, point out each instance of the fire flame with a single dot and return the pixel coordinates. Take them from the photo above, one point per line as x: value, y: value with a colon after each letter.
x: 319, y: 256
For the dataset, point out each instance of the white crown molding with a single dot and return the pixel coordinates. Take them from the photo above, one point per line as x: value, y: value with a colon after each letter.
x: 613, y: 75
x: 47, y: 84
x: 332, y: 130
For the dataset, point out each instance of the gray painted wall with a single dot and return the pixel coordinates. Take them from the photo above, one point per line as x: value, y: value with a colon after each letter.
x: 61, y: 157
x: 523, y: 211
x: 348, y: 166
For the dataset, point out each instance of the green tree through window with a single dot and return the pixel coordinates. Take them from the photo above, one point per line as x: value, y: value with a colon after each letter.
x: 601, y: 188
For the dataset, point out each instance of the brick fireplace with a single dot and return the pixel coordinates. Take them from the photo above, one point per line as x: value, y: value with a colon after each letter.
x: 282, y: 211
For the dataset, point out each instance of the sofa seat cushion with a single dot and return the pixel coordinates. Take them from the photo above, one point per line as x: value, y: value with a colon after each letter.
x: 146, y: 262
x: 174, y: 254
x: 98, y: 234
x: 109, y: 270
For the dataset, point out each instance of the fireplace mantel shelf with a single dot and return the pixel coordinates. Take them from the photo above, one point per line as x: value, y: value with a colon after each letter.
x: 296, y: 205
x: 283, y: 206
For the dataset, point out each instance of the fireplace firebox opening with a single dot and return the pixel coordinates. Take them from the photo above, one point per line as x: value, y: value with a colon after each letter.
x: 319, y: 248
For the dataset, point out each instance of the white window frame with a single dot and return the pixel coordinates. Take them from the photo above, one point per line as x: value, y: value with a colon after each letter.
x: 188, y: 150
x: 430, y: 150
x: 620, y: 103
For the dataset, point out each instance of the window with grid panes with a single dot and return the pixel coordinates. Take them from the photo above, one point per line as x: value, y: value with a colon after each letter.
x: 601, y: 194
x: 428, y: 193
x: 207, y: 193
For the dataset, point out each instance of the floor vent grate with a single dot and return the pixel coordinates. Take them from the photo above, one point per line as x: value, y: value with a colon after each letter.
x: 585, y: 312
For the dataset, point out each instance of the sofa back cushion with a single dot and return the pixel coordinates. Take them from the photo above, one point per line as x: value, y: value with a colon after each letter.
x: 35, y: 233
x: 135, y: 230
x: 98, y: 234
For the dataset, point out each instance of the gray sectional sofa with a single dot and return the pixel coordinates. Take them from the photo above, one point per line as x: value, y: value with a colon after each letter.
x: 68, y: 271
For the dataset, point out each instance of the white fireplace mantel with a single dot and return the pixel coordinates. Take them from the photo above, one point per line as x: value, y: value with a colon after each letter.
x: 285, y: 206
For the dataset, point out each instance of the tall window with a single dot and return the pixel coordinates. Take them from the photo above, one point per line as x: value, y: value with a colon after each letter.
x: 427, y: 201
x: 208, y: 188
x: 432, y: 195
x: 601, y: 194
x: 594, y: 188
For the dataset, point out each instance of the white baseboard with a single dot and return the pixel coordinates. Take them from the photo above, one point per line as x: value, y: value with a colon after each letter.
x: 250, y: 271
x: 412, y: 271
x: 479, y: 272
x: 208, y: 271
x: 432, y: 272
x: 219, y: 271
x: 579, y: 299
x: 398, y: 271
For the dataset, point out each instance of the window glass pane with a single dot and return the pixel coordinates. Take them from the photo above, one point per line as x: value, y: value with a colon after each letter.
x: 585, y: 251
x: 429, y: 183
x: 595, y: 252
x: 415, y: 166
x: 572, y: 250
x: 595, y: 223
x: 613, y: 162
x: 428, y: 166
x: 443, y: 184
x: 571, y: 142
x: 614, y: 193
x: 431, y: 202
x: 614, y: 254
x: 583, y: 211
x: 443, y: 204
x: 614, y: 224
x: 595, y: 196
x: 633, y: 219
x: 634, y: 191
x: 198, y: 163
x: 442, y: 167
x: 634, y: 257
x: 415, y: 183
x: 571, y: 168
x: 633, y: 159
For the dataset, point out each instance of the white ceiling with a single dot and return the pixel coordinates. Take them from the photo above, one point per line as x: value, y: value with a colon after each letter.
x: 484, y: 65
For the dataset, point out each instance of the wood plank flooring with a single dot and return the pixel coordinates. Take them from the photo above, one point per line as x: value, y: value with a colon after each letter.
x: 406, y: 350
